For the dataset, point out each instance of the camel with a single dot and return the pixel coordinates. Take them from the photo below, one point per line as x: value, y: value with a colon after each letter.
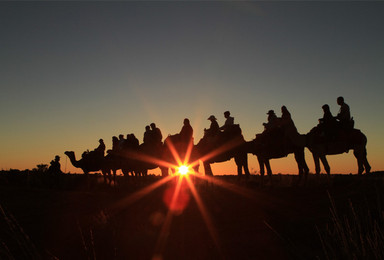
x: 346, y: 140
x: 135, y: 160
x: 90, y: 163
x: 175, y: 152
x: 142, y: 158
x: 132, y: 158
x: 115, y: 162
x: 278, y: 143
x: 222, y: 148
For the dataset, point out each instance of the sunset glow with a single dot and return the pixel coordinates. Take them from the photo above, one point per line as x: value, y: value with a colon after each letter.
x: 129, y: 87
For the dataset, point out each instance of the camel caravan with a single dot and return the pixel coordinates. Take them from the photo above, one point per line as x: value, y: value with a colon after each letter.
x: 333, y: 135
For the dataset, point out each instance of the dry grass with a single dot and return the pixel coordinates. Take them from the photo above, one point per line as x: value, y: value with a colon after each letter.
x: 356, y: 234
x: 279, y: 221
x: 19, y: 244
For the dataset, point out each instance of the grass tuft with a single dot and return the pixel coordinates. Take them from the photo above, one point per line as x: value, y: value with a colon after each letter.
x: 356, y: 235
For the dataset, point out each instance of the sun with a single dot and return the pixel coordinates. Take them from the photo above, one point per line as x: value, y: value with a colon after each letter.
x: 183, y: 170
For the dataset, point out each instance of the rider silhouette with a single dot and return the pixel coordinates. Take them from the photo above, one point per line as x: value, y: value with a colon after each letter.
x: 272, y: 120
x: 186, y: 132
x: 147, y: 135
x: 214, y: 128
x: 344, y: 115
x: 156, y: 135
x: 101, y: 148
x: 328, y: 123
x: 55, y: 166
x: 228, y: 122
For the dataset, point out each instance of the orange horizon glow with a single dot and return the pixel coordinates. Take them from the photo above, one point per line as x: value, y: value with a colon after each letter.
x: 340, y: 164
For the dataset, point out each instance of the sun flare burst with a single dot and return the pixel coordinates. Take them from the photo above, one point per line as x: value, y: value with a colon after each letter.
x: 183, y: 170
x: 179, y: 191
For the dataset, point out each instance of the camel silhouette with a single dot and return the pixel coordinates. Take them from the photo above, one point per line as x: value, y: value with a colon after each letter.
x: 279, y: 143
x: 227, y: 145
x: 90, y: 163
x: 176, y: 151
x: 346, y: 140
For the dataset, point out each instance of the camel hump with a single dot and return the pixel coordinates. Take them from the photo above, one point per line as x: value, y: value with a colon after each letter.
x: 233, y: 130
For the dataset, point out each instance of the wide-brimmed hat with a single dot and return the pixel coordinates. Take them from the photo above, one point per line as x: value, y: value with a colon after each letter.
x: 270, y: 112
x: 212, y: 117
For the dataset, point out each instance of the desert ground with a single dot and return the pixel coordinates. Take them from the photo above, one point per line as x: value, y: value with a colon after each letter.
x: 78, y: 217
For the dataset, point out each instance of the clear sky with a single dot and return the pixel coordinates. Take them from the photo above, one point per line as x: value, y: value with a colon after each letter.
x: 74, y: 72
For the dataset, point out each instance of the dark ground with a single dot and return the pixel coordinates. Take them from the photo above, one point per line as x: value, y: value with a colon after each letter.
x: 86, y: 219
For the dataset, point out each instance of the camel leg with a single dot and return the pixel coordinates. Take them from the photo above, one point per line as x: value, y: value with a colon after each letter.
x: 316, y: 160
x: 358, y: 155
x: 240, y: 163
x: 325, y: 164
x: 302, y: 165
x: 366, y: 164
x: 246, y: 169
x: 269, y: 170
x: 239, y: 170
x: 164, y: 171
x: 261, y: 166
x: 299, y: 162
x: 362, y: 161
x: 207, y: 169
x: 268, y: 167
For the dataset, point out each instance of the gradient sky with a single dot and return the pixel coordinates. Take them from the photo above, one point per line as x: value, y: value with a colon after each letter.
x: 74, y: 72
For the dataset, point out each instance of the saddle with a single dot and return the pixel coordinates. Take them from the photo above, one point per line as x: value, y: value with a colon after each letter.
x: 232, y: 133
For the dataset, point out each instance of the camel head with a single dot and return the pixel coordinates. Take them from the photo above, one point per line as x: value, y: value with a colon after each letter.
x: 69, y: 153
x: 71, y: 156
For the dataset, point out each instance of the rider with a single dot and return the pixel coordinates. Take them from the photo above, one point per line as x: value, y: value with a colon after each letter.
x: 55, y: 166
x: 186, y: 132
x: 328, y: 123
x: 147, y: 135
x: 228, y: 122
x: 121, y: 141
x: 327, y: 117
x: 101, y: 148
x: 272, y: 120
x: 214, y: 128
x: 286, y: 119
x: 132, y: 141
x: 344, y: 115
x: 156, y: 135
x: 115, y: 144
